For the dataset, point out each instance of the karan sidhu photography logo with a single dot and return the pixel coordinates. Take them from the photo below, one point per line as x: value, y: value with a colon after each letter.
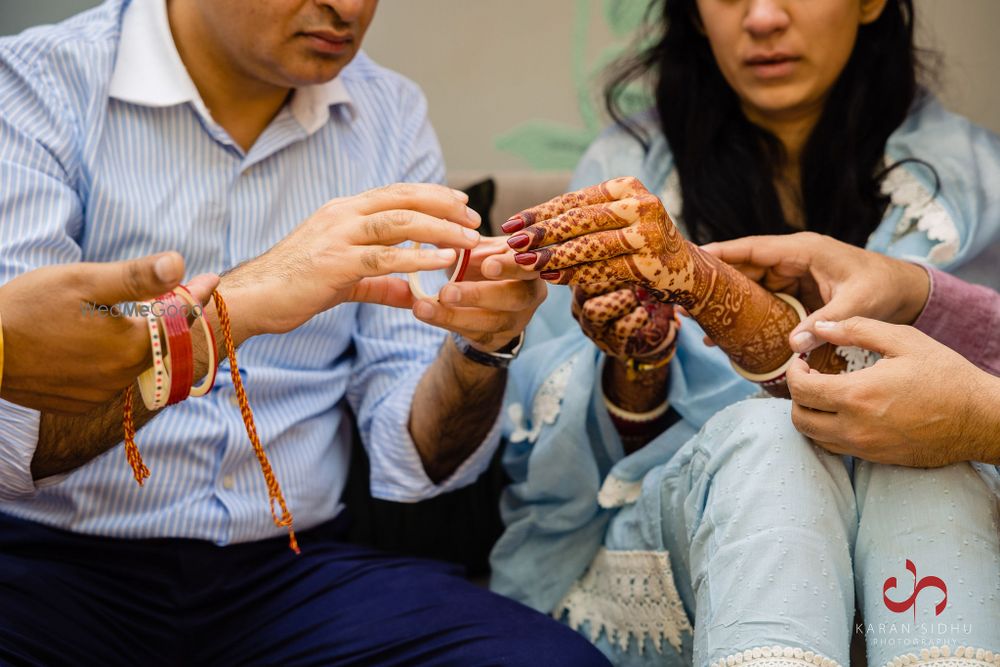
x: 144, y: 309
x: 900, y: 599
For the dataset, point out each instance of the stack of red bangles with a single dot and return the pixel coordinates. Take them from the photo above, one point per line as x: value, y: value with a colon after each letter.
x: 170, y: 380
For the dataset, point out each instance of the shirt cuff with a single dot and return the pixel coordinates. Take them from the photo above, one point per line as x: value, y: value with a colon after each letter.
x: 19, y: 427
x: 397, y: 473
x: 963, y: 316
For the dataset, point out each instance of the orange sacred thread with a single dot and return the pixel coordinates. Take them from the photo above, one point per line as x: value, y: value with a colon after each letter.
x: 273, y: 488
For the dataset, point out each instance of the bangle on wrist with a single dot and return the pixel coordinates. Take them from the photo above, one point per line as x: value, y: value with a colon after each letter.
x: 213, y: 367
x: 776, y: 376
x: 627, y: 417
x: 154, y: 383
x: 180, y: 364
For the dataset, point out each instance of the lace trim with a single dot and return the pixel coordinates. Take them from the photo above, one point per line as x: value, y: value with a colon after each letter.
x: 964, y: 656
x: 545, y: 408
x: 616, y: 492
x: 776, y: 656
x: 628, y: 594
x: 923, y: 213
x: 857, y: 358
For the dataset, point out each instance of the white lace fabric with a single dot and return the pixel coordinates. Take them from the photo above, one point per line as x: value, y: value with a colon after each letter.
x: 546, y: 406
x: 625, y: 595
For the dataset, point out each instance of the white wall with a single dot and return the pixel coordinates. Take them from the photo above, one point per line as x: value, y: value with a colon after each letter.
x: 489, y: 66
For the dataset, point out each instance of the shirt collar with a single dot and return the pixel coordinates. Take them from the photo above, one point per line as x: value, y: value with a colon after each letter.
x: 149, y: 71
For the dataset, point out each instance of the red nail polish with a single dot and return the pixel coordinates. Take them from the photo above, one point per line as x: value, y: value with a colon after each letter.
x: 549, y: 275
x: 519, y: 241
x: 526, y: 258
x: 515, y: 224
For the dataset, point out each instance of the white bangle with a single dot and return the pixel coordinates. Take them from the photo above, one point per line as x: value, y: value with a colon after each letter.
x: 625, y: 415
x: 778, y: 372
x: 154, y: 383
x: 414, y: 278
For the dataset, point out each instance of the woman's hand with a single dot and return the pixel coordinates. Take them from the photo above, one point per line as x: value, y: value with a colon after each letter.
x: 615, y: 232
x: 625, y: 322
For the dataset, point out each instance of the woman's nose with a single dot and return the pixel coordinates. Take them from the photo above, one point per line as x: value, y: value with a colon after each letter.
x: 766, y: 17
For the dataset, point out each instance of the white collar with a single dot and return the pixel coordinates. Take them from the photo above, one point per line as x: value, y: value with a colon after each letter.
x: 149, y: 71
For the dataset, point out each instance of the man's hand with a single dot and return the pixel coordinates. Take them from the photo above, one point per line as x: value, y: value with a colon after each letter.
x: 489, y: 313
x: 65, y: 351
x: 346, y: 252
x: 921, y: 405
x: 834, y: 279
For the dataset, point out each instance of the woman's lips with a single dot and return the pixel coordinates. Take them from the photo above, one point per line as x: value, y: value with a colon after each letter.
x: 772, y: 67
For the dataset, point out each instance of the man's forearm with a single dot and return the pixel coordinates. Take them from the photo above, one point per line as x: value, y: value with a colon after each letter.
x: 454, y: 407
x: 68, y: 442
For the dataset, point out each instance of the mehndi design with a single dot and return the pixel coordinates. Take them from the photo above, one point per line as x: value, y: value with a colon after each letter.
x: 618, y: 233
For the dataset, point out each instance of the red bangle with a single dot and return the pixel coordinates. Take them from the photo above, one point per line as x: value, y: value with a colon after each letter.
x: 213, y: 366
x: 181, y: 362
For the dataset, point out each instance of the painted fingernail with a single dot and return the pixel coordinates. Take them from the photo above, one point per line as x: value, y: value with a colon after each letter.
x: 519, y: 241
x: 549, y: 275
x: 526, y: 258
x: 515, y: 224
x: 473, y: 216
x: 803, y: 341
x: 423, y: 309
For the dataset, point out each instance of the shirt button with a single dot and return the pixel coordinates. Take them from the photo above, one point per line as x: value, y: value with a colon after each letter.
x: 228, y: 482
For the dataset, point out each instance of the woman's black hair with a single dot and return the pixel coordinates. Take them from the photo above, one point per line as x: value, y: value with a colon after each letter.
x: 727, y: 165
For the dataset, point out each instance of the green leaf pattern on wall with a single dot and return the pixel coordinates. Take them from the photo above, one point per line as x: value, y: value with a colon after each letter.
x: 549, y: 145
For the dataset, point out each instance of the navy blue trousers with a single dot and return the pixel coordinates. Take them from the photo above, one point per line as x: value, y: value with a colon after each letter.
x: 68, y: 599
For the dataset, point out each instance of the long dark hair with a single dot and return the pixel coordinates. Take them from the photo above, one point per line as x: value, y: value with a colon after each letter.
x: 727, y: 164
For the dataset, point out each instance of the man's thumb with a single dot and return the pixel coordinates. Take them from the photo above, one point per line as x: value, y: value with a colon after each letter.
x: 803, y: 338
x: 135, y: 279
x: 861, y: 332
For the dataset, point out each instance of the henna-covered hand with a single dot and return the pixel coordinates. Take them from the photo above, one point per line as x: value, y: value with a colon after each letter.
x: 625, y: 321
x: 617, y: 232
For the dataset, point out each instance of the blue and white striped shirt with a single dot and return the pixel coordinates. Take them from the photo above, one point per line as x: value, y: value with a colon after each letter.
x: 107, y: 152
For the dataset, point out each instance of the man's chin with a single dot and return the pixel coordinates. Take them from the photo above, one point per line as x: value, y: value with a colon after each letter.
x: 317, y: 69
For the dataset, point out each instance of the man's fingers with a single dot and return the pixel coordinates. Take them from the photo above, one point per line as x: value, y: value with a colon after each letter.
x: 815, y: 390
x: 384, y: 290
x: 827, y: 427
x: 597, y: 194
x: 508, y: 296
x: 503, y: 267
x: 477, y: 324
x: 202, y: 286
x: 431, y: 199
x: 887, y: 340
x: 131, y: 280
x: 397, y: 226
x: 842, y: 306
x: 371, y: 261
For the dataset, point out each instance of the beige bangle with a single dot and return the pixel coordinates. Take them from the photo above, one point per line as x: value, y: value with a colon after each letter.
x: 623, y: 414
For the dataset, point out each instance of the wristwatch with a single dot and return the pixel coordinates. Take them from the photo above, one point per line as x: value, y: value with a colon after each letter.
x: 499, y: 359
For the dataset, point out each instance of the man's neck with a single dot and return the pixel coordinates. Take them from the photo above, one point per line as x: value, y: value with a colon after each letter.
x: 242, y: 105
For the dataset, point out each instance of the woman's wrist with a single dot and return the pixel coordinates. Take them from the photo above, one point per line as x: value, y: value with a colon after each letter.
x: 645, y: 392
